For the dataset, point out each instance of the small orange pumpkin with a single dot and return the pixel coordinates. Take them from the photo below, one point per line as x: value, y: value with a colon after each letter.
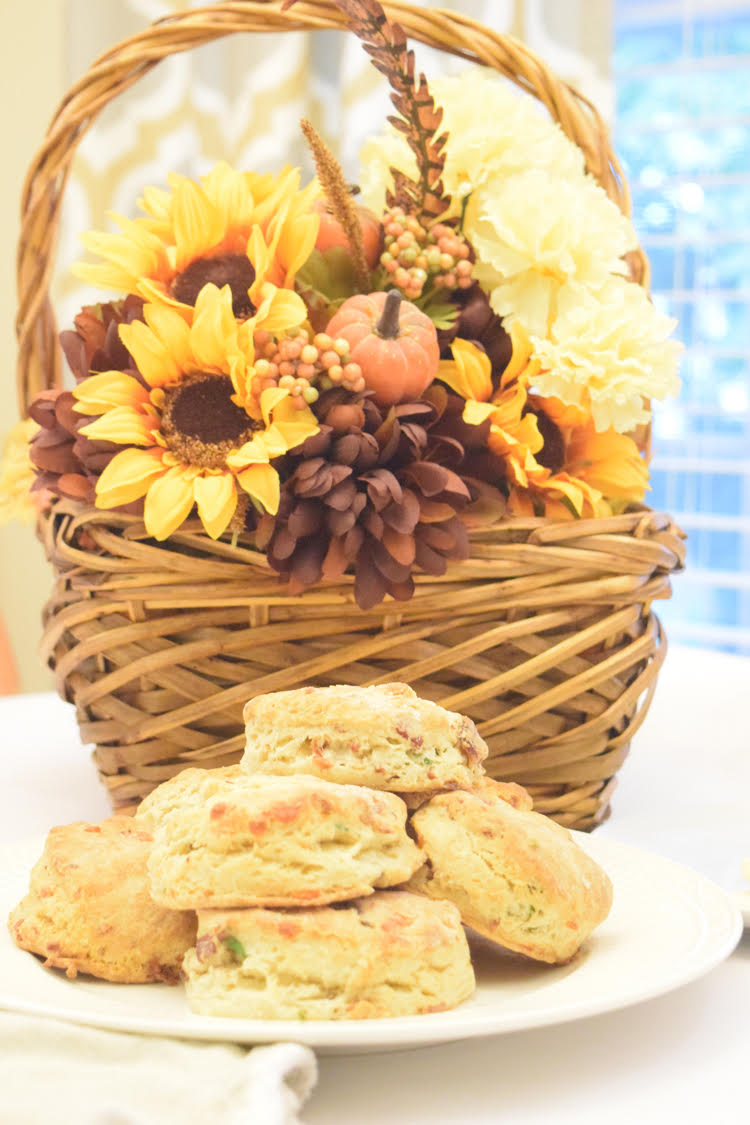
x: 331, y: 232
x: 394, y: 343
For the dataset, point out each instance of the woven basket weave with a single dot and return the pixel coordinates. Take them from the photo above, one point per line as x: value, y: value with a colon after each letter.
x: 545, y: 636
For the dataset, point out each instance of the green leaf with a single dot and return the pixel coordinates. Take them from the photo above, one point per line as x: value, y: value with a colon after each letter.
x: 328, y: 275
x: 442, y: 313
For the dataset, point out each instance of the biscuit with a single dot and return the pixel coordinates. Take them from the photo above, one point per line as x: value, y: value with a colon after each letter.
x: 384, y: 737
x: 517, y: 877
x: 223, y: 838
x: 89, y: 910
x: 508, y: 791
x: 392, y: 954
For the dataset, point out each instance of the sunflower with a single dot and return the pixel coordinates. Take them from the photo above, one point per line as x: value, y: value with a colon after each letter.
x: 189, y: 440
x: 17, y: 475
x: 556, y: 463
x: 230, y: 228
x: 588, y: 473
x: 514, y: 436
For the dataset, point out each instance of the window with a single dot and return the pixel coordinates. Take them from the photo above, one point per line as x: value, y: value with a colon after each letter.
x: 682, y: 70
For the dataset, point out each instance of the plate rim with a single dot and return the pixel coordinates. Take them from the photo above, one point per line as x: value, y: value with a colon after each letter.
x: 433, y: 1029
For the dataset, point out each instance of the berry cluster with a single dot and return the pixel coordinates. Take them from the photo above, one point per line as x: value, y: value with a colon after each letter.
x: 296, y: 363
x: 415, y: 254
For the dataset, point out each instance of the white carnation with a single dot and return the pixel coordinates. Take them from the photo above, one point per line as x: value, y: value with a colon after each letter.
x: 608, y: 351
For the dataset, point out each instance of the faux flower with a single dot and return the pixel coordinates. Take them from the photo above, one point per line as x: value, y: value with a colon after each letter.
x: 368, y: 495
x: 17, y: 475
x: 476, y: 154
x: 513, y: 435
x: 534, y: 235
x: 608, y: 351
x: 235, y: 228
x: 189, y: 442
x: 553, y: 460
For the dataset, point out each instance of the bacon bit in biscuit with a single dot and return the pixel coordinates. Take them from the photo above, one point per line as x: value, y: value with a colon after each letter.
x: 286, y: 813
x: 218, y: 810
x: 289, y: 929
x: 205, y: 947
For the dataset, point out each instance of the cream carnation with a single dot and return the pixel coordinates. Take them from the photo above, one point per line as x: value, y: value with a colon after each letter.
x: 534, y: 234
x: 608, y: 351
x: 521, y: 132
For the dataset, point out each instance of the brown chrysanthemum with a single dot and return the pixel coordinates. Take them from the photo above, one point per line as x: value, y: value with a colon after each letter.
x: 66, y: 462
x: 372, y: 494
x: 94, y: 344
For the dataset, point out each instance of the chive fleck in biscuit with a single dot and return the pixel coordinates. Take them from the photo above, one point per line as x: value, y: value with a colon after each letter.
x: 89, y: 910
x: 392, y: 954
x: 223, y: 839
x: 516, y: 876
x: 384, y: 737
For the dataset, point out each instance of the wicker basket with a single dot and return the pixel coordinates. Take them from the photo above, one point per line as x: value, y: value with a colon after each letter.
x: 545, y: 636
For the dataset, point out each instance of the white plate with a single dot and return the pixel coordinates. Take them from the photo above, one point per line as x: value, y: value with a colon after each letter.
x: 668, y: 926
x: 742, y: 898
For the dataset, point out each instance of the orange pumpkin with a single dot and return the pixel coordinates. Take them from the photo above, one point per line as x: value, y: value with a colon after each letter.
x: 394, y: 343
x: 331, y: 232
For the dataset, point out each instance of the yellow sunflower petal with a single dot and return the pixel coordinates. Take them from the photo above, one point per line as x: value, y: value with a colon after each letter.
x: 279, y: 310
x: 124, y: 425
x: 160, y: 347
x: 213, y: 336
x: 101, y: 392
x: 477, y: 412
x: 230, y: 191
x: 270, y: 399
x: 522, y: 350
x: 470, y: 371
x: 128, y: 476
x: 294, y: 433
x: 168, y: 502
x: 261, y: 482
x: 253, y: 452
x: 198, y: 223
x: 216, y: 498
x: 261, y: 257
x: 128, y: 258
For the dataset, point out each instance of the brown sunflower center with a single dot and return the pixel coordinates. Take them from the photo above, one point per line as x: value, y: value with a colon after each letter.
x: 552, y: 453
x: 200, y: 422
x: 233, y: 270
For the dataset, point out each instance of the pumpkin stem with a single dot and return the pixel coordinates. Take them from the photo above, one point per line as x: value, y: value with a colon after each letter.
x: 388, y: 325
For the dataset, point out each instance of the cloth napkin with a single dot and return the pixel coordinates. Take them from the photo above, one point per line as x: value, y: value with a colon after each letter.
x: 58, y: 1072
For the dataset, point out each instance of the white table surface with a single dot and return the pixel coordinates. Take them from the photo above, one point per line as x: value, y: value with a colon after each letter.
x: 684, y: 792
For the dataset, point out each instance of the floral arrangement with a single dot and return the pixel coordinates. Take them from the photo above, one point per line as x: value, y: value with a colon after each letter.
x: 351, y: 386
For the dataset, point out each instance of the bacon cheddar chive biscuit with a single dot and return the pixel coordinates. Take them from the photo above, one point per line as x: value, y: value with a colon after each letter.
x: 517, y: 877
x: 508, y: 791
x: 393, y: 954
x: 223, y: 838
x: 89, y: 910
x: 384, y: 737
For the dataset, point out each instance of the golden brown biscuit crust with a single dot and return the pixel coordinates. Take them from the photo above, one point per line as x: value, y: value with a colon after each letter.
x: 89, y: 910
x: 391, y: 954
x: 236, y: 840
x: 517, y: 877
x: 384, y: 737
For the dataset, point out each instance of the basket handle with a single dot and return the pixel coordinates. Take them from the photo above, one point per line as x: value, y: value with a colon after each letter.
x: 38, y: 365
